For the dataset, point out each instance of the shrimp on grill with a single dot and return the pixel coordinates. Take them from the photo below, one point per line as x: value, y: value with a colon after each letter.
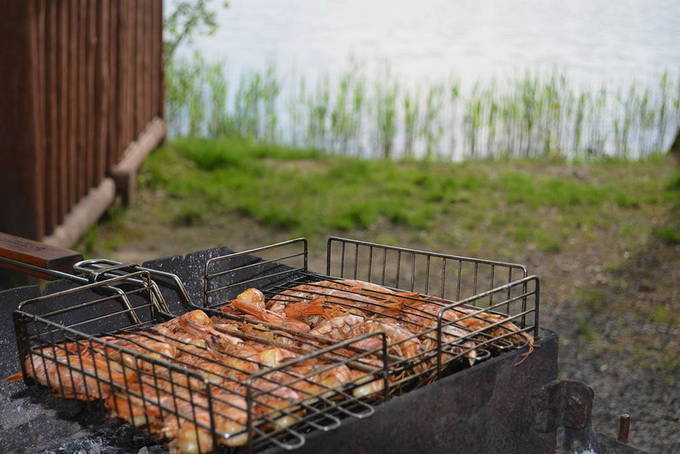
x: 147, y: 346
x: 416, y: 312
x: 195, y: 328
x: 497, y: 325
x: 310, y: 312
x: 337, y: 328
x: 138, y: 403
x: 315, y: 380
x: 252, y: 303
x: 422, y: 318
x: 170, y: 377
x: 275, y: 402
x: 470, y: 319
x: 82, y: 375
x: 190, y: 427
x: 401, y: 341
x: 347, y: 294
x: 331, y: 299
x: 280, y: 396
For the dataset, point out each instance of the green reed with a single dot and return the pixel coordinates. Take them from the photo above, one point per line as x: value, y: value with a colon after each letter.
x: 386, y: 95
x: 411, y: 112
x: 454, y: 99
x: 529, y: 115
x: 218, y: 123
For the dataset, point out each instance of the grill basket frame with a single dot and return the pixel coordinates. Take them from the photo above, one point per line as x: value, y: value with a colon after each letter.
x: 126, y: 282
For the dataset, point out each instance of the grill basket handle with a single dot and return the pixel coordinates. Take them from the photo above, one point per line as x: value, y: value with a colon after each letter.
x: 35, y: 258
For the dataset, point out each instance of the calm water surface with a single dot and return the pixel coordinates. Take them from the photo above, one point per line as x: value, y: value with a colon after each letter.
x: 593, y: 41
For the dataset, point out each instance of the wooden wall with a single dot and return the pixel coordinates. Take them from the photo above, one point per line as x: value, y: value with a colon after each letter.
x: 80, y: 81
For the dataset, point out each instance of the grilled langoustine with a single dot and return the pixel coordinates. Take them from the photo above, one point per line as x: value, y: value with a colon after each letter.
x: 462, y: 327
x: 168, y: 376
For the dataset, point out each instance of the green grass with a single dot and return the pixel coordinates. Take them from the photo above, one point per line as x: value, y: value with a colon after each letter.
x: 587, y: 331
x: 531, y: 202
x: 668, y: 234
x: 593, y: 300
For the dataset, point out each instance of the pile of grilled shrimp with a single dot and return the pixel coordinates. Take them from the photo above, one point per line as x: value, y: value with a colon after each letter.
x: 187, y: 380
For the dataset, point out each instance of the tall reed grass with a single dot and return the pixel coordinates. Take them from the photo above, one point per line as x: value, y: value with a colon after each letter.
x: 528, y: 115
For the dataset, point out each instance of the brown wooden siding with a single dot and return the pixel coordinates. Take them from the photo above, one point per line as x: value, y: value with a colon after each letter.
x: 82, y: 80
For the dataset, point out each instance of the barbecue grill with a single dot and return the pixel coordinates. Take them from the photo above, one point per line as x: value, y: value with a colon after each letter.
x: 479, y: 392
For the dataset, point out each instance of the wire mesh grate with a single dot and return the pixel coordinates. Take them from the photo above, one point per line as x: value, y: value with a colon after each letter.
x: 216, y: 376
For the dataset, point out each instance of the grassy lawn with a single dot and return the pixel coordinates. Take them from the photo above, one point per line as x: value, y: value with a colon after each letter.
x: 500, y: 208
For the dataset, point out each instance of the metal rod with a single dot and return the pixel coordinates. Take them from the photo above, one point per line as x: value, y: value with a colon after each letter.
x: 624, y: 428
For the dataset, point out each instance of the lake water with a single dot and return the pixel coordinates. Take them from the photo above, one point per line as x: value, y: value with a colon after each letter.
x: 594, y: 41
x: 430, y: 43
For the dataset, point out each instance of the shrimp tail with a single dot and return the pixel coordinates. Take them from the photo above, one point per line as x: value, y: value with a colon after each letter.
x: 15, y: 377
x: 303, y: 309
x: 526, y: 354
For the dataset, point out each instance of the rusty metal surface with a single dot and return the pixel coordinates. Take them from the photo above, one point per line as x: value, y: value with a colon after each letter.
x: 565, y: 406
x: 624, y: 428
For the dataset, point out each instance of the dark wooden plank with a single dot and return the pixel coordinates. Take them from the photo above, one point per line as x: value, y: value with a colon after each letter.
x: 40, y: 16
x: 139, y: 62
x: 75, y: 106
x: 134, y: 73
x: 92, y: 125
x: 161, y: 61
x: 51, y: 127
x: 123, y: 71
x: 122, y: 76
x: 115, y: 89
x: 73, y: 102
x: 131, y: 60
x: 153, y: 70
x: 86, y: 110
x: 148, y: 44
x: 52, y: 198
x: 82, y: 102
x: 63, y: 114
x: 38, y: 254
x: 114, y: 132
x: 46, y: 45
x: 143, y: 40
x: 155, y: 55
x: 20, y: 125
x: 102, y: 87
